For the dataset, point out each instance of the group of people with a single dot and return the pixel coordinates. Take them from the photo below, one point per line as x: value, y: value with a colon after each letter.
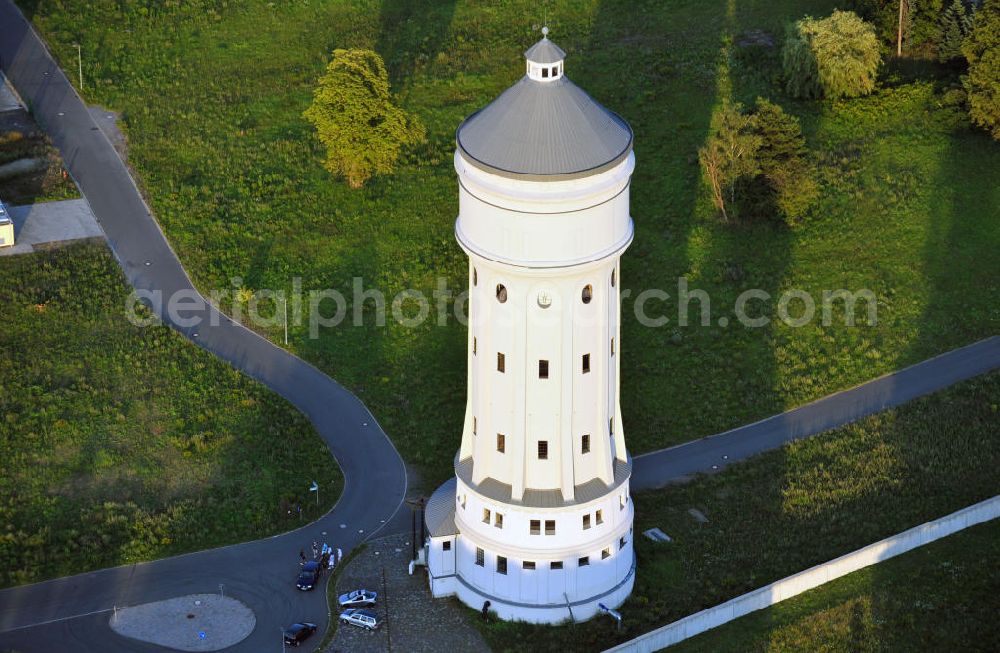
x: 326, y: 556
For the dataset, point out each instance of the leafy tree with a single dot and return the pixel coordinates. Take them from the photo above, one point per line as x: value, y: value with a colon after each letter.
x: 729, y: 155
x: 355, y: 117
x: 786, y: 176
x: 955, y: 26
x: 982, y: 51
x: 831, y: 57
x: 755, y: 163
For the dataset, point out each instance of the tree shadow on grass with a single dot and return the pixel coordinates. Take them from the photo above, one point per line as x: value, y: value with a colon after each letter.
x: 410, y: 35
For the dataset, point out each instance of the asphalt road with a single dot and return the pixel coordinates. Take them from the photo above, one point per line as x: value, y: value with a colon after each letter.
x: 71, y: 614
x: 261, y: 573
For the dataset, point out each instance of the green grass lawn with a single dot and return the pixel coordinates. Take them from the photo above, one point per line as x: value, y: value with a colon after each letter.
x: 120, y: 444
x: 787, y: 510
x: 940, y: 597
x: 212, y: 93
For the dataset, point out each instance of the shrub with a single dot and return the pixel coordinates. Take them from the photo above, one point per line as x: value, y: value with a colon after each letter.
x: 982, y: 51
x: 355, y: 118
x: 831, y: 57
x: 755, y: 163
x: 729, y: 155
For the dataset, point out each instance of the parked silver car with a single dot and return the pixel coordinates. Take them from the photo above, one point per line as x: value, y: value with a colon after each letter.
x: 361, y: 618
x: 358, y: 599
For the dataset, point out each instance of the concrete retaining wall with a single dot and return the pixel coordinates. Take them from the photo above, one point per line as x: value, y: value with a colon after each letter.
x: 811, y: 578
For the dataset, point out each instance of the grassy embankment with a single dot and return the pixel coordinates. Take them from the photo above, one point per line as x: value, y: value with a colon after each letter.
x: 910, y: 207
x: 809, y: 502
x: 120, y: 444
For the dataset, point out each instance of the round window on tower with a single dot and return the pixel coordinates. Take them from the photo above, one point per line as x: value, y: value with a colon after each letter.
x: 588, y: 293
x: 501, y: 293
x: 544, y: 299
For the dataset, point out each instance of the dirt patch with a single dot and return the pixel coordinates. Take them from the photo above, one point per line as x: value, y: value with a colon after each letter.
x: 755, y: 38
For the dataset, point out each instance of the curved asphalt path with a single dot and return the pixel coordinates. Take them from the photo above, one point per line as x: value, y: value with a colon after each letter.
x: 261, y: 573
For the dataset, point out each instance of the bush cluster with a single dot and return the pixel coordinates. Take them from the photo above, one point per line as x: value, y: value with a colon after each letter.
x: 831, y: 57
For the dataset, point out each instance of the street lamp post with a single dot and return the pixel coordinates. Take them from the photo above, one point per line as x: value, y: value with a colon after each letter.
x: 315, y: 488
x: 79, y: 63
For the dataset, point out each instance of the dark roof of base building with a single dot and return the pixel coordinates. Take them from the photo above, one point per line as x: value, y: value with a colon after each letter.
x: 544, y: 130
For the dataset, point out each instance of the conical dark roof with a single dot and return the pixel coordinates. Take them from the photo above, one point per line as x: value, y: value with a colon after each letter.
x: 548, y: 129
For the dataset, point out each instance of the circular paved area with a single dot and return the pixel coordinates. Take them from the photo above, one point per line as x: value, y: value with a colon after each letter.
x: 197, y: 622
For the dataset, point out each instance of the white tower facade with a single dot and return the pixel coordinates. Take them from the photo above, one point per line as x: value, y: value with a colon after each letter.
x: 538, y: 519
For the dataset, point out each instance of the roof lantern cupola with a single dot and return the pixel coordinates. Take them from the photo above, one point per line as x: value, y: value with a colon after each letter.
x: 545, y: 60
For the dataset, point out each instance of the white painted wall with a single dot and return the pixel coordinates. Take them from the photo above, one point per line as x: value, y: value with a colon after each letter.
x: 811, y: 578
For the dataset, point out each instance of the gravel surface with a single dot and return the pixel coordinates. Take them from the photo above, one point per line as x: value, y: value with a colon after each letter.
x: 197, y: 622
x: 416, y: 621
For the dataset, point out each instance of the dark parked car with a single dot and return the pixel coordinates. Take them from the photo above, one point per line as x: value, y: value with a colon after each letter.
x: 358, y: 599
x: 298, y: 633
x: 309, y: 576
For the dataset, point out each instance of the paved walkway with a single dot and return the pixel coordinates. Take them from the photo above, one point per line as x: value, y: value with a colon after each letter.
x: 70, y: 614
x: 50, y: 224
x: 675, y: 464
x: 198, y: 622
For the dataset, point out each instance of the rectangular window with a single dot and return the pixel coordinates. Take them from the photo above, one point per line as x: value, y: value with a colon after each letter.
x: 528, y: 565
x: 536, y: 527
x: 500, y: 362
x: 621, y: 502
x: 599, y: 517
x: 545, y: 72
x: 586, y: 522
x: 543, y: 369
x: 555, y: 565
x: 446, y: 545
x: 463, y: 502
x: 585, y: 443
x: 543, y: 449
x: 605, y: 554
x: 550, y: 527
x: 498, y: 520
x: 502, y: 565
x: 480, y: 557
x: 474, y: 423
x: 486, y: 515
x: 584, y: 561
x: 586, y: 363
x: 501, y: 442
x: 612, y: 346
x: 474, y: 345
x: 621, y: 543
x: 611, y: 426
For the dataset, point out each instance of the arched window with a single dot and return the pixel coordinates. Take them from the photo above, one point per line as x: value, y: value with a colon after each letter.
x: 501, y: 293
x: 587, y: 294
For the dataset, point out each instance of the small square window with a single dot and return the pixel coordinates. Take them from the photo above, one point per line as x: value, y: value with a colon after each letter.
x: 543, y: 369
x: 550, y: 527
x: 543, y: 449
x: 586, y: 363
x: 555, y: 565
x: 605, y: 554
x: 586, y: 522
x: 502, y: 565
x: 500, y: 362
x: 536, y: 527
x: 585, y: 443
x: 584, y: 561
x: 599, y: 517
x: 446, y: 545
x: 480, y: 557
x: 486, y: 515
x: 501, y: 442
x: 498, y: 520
x: 528, y: 565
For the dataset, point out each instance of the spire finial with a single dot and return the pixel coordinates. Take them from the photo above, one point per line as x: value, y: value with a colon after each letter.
x: 545, y: 32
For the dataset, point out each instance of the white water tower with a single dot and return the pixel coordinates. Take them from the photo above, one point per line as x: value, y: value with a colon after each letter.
x: 538, y: 519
